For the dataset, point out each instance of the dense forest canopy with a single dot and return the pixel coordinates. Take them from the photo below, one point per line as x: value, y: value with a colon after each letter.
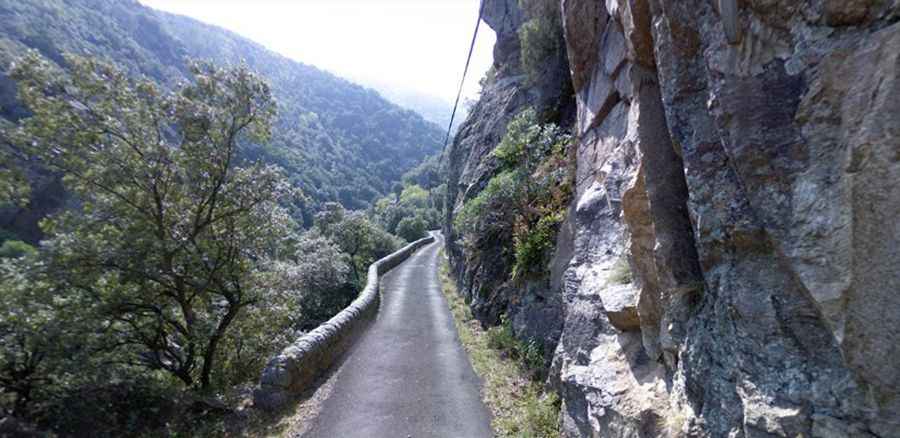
x: 335, y: 140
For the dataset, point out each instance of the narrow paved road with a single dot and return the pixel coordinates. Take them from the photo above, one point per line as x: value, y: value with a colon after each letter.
x: 408, y: 375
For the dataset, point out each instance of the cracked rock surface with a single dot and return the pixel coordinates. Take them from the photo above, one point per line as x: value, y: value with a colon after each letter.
x: 730, y: 264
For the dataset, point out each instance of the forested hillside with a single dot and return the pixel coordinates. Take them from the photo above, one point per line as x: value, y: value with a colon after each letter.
x: 336, y: 141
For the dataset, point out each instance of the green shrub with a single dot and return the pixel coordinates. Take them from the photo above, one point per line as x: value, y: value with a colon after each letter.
x: 16, y: 249
x: 529, y: 353
x: 533, y: 244
x: 491, y: 208
x: 411, y: 228
x: 501, y: 337
x: 540, y: 37
x: 527, y: 200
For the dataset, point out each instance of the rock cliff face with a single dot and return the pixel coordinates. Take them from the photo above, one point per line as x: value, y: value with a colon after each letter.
x: 483, y: 273
x: 731, y: 263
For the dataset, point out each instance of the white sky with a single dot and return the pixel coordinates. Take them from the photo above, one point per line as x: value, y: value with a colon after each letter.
x: 417, y: 45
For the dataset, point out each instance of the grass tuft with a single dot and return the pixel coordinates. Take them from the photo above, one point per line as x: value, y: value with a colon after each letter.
x: 520, y: 407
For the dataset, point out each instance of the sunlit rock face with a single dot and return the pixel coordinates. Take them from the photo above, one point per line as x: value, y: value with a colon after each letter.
x: 635, y: 276
x: 736, y: 269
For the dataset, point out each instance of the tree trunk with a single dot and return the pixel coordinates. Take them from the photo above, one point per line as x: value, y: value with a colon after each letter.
x: 355, y: 268
x: 185, y: 376
x: 209, y: 356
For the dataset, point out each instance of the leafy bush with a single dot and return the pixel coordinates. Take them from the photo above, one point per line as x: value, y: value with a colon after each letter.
x: 411, y: 228
x: 16, y: 249
x: 492, y: 209
x: 533, y: 244
x: 526, y: 201
x: 540, y: 37
x: 529, y: 353
x: 501, y: 337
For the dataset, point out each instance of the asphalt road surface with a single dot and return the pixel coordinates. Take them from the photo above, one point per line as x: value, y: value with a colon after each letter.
x: 408, y: 375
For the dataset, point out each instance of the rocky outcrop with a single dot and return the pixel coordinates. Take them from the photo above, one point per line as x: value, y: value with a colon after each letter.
x: 301, y: 363
x: 635, y: 275
x: 731, y: 263
x: 741, y: 166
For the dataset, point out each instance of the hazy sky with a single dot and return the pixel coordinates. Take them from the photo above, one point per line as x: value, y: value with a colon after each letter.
x: 418, y: 45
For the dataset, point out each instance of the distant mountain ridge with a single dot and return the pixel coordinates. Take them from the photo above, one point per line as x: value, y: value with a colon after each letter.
x: 432, y: 108
x: 337, y: 141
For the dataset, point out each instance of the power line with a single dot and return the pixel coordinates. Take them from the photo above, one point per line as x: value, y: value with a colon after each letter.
x: 463, y: 80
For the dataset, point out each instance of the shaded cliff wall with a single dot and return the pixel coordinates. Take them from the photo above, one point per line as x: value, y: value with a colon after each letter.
x: 731, y: 262
x: 482, y: 266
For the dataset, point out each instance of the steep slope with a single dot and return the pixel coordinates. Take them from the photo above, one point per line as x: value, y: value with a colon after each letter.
x: 733, y: 237
x: 337, y: 141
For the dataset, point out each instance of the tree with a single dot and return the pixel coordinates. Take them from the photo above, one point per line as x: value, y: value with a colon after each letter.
x: 414, y: 196
x: 331, y: 214
x: 14, y: 188
x: 540, y: 36
x: 171, y: 226
x: 388, y: 213
x: 302, y: 290
x: 317, y: 279
x: 361, y: 240
x: 27, y: 331
x: 411, y: 228
x: 42, y: 332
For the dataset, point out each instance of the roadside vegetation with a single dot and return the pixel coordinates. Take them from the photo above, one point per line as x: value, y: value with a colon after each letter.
x: 512, y: 385
x: 526, y: 200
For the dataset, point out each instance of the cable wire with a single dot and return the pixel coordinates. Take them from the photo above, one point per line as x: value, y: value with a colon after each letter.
x: 463, y: 80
